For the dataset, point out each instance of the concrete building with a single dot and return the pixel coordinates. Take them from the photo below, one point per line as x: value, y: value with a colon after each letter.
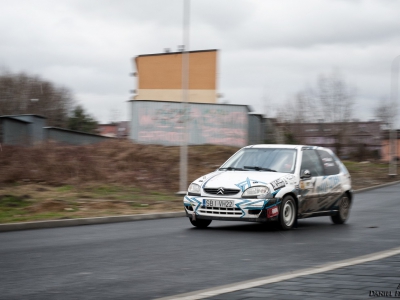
x: 159, y: 76
x: 159, y: 122
x: 346, y: 139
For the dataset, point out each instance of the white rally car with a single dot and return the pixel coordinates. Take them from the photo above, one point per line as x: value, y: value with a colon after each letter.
x: 262, y: 183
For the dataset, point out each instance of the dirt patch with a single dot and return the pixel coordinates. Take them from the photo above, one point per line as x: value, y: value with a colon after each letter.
x: 48, y: 206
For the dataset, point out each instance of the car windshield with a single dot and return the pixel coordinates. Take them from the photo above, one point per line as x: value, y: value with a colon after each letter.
x: 262, y: 159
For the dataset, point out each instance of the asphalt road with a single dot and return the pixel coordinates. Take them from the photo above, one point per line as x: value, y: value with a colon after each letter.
x: 158, y: 258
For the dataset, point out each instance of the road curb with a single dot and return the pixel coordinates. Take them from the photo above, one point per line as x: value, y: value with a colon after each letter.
x: 375, y: 187
x: 87, y: 221
x: 117, y: 219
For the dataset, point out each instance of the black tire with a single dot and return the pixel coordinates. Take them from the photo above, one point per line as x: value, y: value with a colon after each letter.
x: 199, y: 223
x: 288, y: 213
x: 344, y: 210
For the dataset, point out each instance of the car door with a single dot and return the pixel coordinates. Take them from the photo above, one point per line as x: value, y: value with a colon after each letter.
x: 329, y: 187
x: 309, y: 196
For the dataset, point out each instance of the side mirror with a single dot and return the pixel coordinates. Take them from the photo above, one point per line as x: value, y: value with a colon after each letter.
x: 305, y: 174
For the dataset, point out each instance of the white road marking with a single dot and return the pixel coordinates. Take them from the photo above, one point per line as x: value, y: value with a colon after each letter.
x: 201, y: 294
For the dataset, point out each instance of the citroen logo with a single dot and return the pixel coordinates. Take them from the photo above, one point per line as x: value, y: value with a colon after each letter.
x: 220, y: 191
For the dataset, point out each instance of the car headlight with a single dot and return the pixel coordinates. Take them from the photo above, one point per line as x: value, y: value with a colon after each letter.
x: 256, y: 192
x: 194, y: 189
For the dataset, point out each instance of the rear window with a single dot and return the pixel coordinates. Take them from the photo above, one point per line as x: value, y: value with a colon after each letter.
x: 330, y: 166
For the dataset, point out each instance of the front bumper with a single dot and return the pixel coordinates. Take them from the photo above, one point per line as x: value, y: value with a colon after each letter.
x: 250, y: 210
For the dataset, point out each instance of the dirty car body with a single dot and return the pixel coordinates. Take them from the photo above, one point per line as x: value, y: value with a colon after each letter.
x: 263, y: 183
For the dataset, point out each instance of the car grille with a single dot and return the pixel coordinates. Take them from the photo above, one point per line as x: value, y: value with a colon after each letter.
x: 224, y: 192
x: 221, y: 211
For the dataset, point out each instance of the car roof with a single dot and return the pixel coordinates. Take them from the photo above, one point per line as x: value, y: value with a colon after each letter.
x: 286, y: 146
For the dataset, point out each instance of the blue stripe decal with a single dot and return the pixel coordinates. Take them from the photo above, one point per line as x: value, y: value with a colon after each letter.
x: 276, y: 192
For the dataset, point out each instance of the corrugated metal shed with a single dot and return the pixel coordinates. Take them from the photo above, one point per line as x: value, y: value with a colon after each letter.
x: 159, y: 122
x: 34, y: 124
x: 72, y: 137
x: 14, y: 131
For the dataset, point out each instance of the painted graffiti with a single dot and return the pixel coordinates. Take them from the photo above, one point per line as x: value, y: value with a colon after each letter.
x: 207, y: 125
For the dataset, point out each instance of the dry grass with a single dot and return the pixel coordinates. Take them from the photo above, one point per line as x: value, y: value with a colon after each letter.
x: 53, y: 181
x: 115, y: 162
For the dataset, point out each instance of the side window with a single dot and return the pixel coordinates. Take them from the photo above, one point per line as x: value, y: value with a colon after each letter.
x: 312, y: 163
x: 330, y: 166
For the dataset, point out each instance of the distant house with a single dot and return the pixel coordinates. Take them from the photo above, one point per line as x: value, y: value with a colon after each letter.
x: 344, y: 138
x: 109, y: 130
x: 118, y: 130
x: 386, y: 149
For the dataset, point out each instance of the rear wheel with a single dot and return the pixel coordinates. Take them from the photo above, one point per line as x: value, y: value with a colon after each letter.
x: 199, y: 223
x: 287, y: 215
x: 344, y: 209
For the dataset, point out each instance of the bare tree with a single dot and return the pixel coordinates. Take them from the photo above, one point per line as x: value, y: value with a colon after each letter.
x: 336, y: 98
x: 385, y: 112
x: 332, y: 100
x: 297, y: 110
x: 29, y: 94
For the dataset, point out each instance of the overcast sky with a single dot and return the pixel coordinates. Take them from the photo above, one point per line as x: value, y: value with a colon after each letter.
x: 269, y: 50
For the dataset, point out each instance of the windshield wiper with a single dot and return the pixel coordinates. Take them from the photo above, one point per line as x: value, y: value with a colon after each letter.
x: 259, y: 168
x: 232, y: 168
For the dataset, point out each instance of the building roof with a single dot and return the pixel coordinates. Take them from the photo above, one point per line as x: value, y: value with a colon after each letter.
x: 14, y: 119
x: 22, y: 115
x: 166, y: 102
x: 177, y: 52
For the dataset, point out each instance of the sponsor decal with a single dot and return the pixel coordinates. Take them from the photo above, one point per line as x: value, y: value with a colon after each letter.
x: 244, y: 185
x: 328, y: 183
x: 329, y: 164
x: 272, y: 212
x: 307, y: 184
x: 278, y: 184
x: 290, y: 179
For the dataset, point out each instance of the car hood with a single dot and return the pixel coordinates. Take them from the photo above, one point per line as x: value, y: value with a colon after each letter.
x: 241, y: 179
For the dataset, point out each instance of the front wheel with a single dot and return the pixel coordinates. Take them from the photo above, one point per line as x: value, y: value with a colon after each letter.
x: 343, y: 213
x: 287, y: 215
x: 199, y: 223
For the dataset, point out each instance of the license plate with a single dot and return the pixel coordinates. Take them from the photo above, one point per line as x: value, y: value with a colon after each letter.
x: 220, y: 203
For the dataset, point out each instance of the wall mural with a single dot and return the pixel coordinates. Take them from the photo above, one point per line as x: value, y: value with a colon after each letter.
x: 162, y: 123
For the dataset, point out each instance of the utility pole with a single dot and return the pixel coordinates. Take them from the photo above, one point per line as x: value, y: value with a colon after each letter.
x: 185, y: 98
x: 393, y: 131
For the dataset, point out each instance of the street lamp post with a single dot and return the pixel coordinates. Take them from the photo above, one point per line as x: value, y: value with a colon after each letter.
x: 185, y: 98
x: 393, y: 131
